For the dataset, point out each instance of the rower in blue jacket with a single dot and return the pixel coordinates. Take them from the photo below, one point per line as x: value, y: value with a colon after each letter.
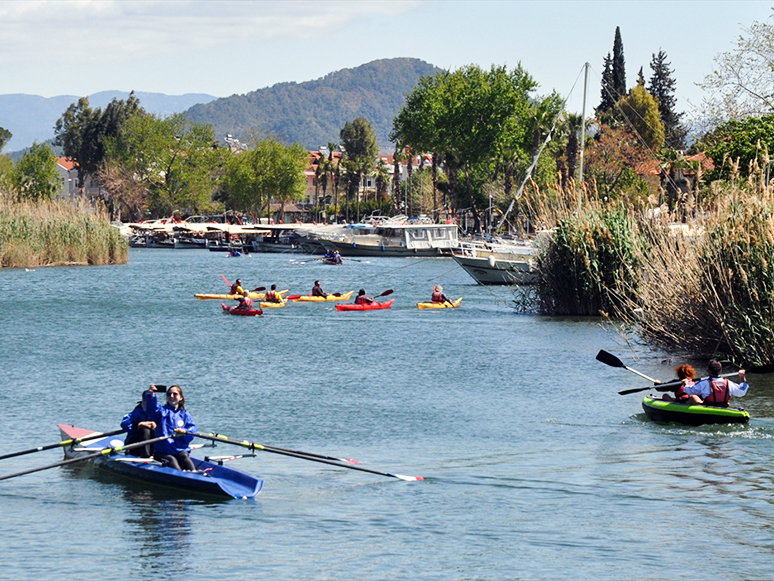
x: 173, y: 452
x: 139, y: 427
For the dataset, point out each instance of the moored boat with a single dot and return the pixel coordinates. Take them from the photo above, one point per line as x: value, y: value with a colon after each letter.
x: 313, y: 299
x: 233, y: 310
x: 693, y: 415
x: 443, y: 305
x: 210, y: 478
x: 371, y: 307
x: 497, y: 263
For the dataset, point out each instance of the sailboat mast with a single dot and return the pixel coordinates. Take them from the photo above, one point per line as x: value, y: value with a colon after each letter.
x: 583, y: 130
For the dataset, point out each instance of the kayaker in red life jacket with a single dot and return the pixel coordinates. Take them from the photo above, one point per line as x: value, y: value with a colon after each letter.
x: 686, y: 374
x: 438, y: 296
x: 362, y: 298
x: 317, y: 291
x: 236, y: 288
x: 245, y: 302
x: 272, y: 296
x: 715, y: 390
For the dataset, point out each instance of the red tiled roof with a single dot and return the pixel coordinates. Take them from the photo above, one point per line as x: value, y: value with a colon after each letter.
x: 66, y: 163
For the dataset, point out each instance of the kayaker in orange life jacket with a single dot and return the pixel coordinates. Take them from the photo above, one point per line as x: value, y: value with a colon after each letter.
x: 236, y: 288
x: 685, y: 374
x: 272, y: 296
x: 317, y: 291
x: 715, y: 390
x: 438, y: 296
x: 362, y: 298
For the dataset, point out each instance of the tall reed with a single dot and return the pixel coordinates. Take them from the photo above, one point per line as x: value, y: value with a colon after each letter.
x: 57, y: 232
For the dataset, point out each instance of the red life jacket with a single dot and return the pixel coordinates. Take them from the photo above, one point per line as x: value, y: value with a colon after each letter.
x: 437, y: 297
x: 245, y: 303
x: 680, y: 395
x: 318, y: 292
x: 272, y: 297
x: 719, y: 394
x: 363, y: 300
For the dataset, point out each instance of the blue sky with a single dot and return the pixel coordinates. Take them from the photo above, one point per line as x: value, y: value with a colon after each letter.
x: 79, y: 47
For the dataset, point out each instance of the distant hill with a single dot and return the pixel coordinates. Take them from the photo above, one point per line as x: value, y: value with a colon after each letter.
x: 31, y: 118
x: 313, y: 113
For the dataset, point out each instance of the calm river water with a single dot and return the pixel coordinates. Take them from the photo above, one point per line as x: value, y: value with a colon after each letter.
x: 536, y: 468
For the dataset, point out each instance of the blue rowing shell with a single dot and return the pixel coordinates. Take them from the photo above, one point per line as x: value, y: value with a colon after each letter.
x: 209, y: 478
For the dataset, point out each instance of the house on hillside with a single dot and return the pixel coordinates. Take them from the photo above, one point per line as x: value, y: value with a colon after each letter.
x: 68, y: 171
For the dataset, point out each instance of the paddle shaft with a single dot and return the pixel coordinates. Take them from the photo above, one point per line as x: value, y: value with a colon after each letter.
x: 303, y: 456
x: 60, y: 444
x: 104, y: 452
x: 613, y: 361
x: 671, y: 386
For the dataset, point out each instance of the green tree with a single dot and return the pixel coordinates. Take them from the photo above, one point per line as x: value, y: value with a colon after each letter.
x: 737, y: 145
x: 35, y: 176
x: 640, y: 109
x: 5, y: 137
x: 6, y: 175
x: 360, y: 149
x: 619, y: 66
x: 607, y: 100
x: 662, y: 87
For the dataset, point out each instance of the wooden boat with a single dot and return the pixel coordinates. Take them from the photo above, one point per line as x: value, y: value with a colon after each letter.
x: 210, y: 478
x: 233, y: 310
x: 452, y: 305
x: 372, y: 307
x: 311, y: 299
x: 229, y: 297
x: 693, y: 415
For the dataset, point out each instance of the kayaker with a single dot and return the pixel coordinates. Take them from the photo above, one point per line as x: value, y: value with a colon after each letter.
x: 337, y: 257
x: 236, y: 288
x: 174, y: 451
x: 245, y: 302
x: 139, y: 427
x: 317, y: 290
x: 715, y: 390
x: 362, y: 298
x: 685, y: 374
x: 438, y: 296
x: 272, y: 296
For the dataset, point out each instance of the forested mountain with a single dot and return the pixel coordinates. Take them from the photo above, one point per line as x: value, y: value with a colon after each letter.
x: 313, y: 113
x: 32, y: 118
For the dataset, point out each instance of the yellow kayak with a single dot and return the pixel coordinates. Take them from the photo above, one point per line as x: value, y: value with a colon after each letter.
x: 253, y: 295
x: 311, y: 299
x: 453, y: 305
x: 272, y: 305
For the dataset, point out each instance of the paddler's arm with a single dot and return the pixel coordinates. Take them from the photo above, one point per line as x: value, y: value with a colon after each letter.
x: 739, y: 390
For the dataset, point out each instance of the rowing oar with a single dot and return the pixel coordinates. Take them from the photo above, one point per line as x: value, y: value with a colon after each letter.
x: 104, y: 452
x: 613, y: 361
x: 668, y: 386
x: 62, y: 443
x: 302, y: 455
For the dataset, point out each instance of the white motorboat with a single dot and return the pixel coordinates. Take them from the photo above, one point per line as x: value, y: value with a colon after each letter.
x: 498, y: 262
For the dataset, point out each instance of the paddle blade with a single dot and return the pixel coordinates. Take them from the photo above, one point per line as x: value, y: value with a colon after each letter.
x: 336, y: 294
x: 259, y: 289
x: 387, y: 292
x: 407, y: 478
x: 609, y: 359
x: 225, y: 279
x: 293, y: 297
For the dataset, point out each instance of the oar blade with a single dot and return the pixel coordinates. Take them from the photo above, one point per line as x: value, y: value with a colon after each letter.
x: 407, y: 478
x: 386, y: 293
x: 225, y: 279
x: 609, y: 359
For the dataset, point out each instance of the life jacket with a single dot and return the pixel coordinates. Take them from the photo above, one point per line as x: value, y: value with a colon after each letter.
x: 363, y: 300
x: 318, y: 292
x: 272, y: 297
x: 437, y: 297
x: 245, y: 303
x: 235, y: 289
x: 680, y: 395
x: 719, y: 393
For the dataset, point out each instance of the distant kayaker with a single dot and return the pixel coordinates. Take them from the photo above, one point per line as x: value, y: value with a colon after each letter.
x: 236, y: 288
x: 715, y: 390
x: 174, y: 451
x: 686, y: 375
x: 317, y: 290
x: 337, y: 257
x: 438, y: 296
x: 245, y: 302
x: 362, y: 298
x: 139, y: 426
x: 272, y: 296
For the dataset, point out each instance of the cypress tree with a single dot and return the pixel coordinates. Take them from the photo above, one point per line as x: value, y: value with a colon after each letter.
x: 607, y: 99
x: 619, y: 66
x: 662, y: 87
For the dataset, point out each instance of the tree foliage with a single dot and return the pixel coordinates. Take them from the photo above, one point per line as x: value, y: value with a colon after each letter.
x: 736, y: 145
x: 5, y: 137
x: 662, y: 86
x: 640, y: 109
x: 619, y: 66
x: 611, y: 158
x: 35, y: 176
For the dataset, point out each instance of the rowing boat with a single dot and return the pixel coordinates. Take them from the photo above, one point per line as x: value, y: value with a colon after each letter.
x: 693, y: 415
x: 443, y: 305
x: 313, y: 299
x: 210, y: 478
x: 370, y: 307
x: 242, y: 312
x: 253, y: 295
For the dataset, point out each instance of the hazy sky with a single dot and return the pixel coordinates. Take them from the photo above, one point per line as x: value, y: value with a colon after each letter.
x: 79, y: 47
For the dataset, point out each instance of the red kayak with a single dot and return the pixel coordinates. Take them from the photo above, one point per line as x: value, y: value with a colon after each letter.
x: 242, y: 312
x: 372, y: 307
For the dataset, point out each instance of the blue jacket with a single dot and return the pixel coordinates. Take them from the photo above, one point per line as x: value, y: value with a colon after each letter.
x: 134, y: 417
x: 167, y: 420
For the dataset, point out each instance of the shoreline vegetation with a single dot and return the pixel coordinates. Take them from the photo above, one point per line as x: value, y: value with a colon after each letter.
x: 57, y: 233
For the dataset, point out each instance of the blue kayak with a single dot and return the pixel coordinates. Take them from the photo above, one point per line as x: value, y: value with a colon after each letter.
x: 210, y: 478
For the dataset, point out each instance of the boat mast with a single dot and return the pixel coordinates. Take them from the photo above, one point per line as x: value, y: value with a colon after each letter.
x: 583, y: 130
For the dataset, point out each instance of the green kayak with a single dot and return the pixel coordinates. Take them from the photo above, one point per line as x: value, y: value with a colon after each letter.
x: 693, y: 415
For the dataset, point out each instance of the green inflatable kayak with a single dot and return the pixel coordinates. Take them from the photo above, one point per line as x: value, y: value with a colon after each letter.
x: 693, y: 415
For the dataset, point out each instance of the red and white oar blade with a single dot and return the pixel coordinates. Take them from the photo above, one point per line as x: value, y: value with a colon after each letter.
x: 350, y: 460
x: 407, y: 478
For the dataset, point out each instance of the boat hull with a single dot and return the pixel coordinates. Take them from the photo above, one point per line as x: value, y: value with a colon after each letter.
x: 241, y: 312
x: 497, y: 272
x: 311, y: 299
x: 453, y: 305
x: 371, y: 307
x: 221, y: 297
x: 692, y: 415
x: 213, y: 480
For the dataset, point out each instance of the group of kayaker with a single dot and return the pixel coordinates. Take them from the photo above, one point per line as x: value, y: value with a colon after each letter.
x: 333, y: 257
x: 150, y: 420
x: 714, y: 390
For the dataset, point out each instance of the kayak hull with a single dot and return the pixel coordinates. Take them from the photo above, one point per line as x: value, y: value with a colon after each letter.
x: 453, y: 305
x: 311, y: 299
x: 253, y: 295
x: 210, y: 479
x: 692, y: 415
x: 241, y: 312
x: 371, y: 307
x: 272, y: 305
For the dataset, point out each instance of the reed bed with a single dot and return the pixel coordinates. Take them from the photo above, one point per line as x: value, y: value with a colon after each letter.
x: 55, y: 233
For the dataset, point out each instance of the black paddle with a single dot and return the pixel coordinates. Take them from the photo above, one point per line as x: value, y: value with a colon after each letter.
x: 104, y: 452
x: 302, y: 455
x: 60, y: 444
x: 385, y: 293
x: 667, y: 386
x: 613, y: 361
